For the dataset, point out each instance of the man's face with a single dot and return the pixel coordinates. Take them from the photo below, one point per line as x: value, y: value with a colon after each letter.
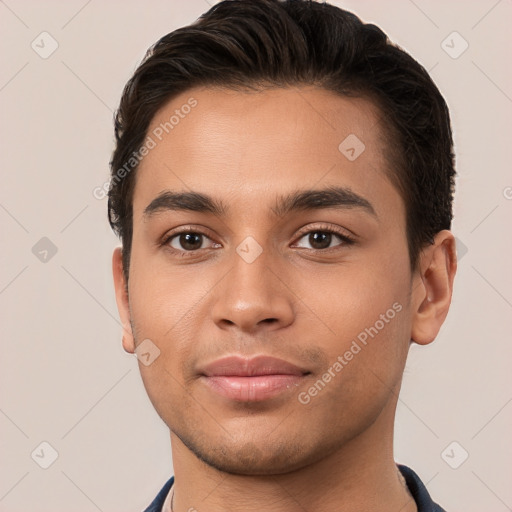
x: 305, y: 284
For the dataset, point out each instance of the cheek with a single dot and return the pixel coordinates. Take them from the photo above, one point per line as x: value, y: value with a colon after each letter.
x: 350, y: 298
x: 365, y: 316
x: 164, y: 310
x: 366, y: 360
x: 164, y: 298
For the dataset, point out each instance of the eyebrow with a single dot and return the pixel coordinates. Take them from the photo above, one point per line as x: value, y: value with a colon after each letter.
x: 332, y: 197
x: 300, y: 200
x: 185, y: 201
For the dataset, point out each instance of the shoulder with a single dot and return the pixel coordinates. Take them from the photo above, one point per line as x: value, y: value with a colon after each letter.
x: 415, y: 485
x: 419, y: 491
x: 157, y: 504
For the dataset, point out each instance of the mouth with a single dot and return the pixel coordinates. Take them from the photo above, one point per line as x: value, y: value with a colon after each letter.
x: 251, y: 380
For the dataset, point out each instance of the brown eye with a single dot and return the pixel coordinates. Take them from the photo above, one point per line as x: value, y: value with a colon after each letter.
x: 320, y: 239
x: 186, y: 241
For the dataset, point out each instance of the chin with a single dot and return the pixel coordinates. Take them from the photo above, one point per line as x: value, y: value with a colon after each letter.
x: 251, y: 458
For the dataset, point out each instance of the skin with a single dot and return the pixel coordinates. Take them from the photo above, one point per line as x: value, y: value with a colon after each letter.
x: 297, y: 301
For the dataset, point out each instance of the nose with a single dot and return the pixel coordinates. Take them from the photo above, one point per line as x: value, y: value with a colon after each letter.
x: 253, y: 296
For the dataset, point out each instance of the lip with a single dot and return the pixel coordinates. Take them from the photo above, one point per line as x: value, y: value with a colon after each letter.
x: 251, y: 380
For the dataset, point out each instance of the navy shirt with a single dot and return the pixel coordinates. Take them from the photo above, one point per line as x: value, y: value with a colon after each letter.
x: 418, y: 491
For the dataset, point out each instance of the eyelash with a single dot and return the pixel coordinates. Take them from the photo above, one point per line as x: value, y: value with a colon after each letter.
x: 346, y: 240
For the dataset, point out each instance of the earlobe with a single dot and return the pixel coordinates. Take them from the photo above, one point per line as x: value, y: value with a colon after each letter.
x: 122, y: 300
x: 433, y: 293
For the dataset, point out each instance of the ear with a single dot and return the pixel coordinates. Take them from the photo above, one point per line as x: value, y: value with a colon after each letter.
x: 433, y: 287
x: 123, y: 305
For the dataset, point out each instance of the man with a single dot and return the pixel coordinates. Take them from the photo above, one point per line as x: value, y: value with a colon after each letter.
x: 282, y: 185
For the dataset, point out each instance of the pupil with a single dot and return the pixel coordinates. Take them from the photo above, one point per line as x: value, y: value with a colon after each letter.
x: 320, y: 238
x: 190, y: 240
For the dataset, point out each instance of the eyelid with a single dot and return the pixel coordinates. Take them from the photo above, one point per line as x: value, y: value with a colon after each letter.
x: 343, y: 233
x: 346, y: 235
x: 190, y: 228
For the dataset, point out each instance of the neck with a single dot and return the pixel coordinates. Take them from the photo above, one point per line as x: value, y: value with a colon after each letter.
x: 360, y: 475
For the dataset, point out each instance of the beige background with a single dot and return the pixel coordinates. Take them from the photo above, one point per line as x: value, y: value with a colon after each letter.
x: 64, y: 377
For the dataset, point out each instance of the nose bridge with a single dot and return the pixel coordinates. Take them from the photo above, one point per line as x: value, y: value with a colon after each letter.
x: 252, y: 296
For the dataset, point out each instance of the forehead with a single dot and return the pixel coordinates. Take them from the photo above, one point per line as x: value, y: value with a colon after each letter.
x: 235, y: 144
